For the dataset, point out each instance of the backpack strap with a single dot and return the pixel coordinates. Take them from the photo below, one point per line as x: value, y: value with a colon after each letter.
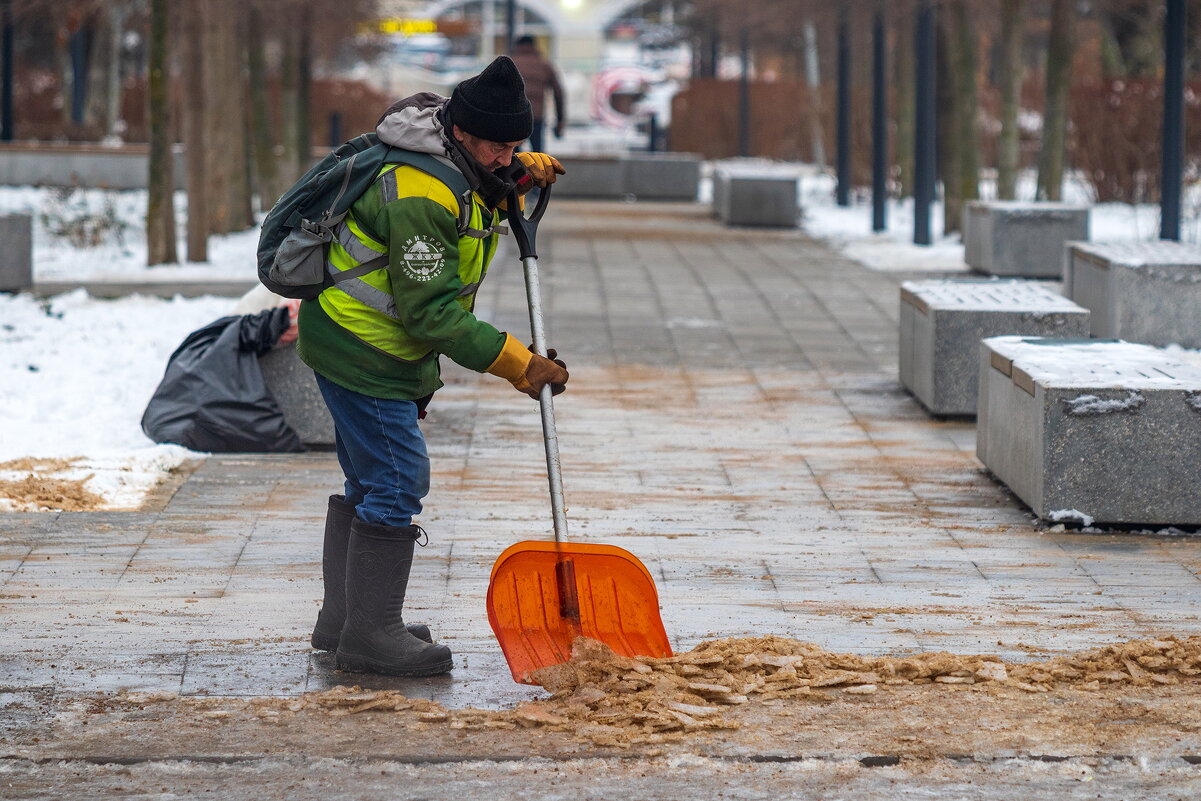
x: 448, y: 174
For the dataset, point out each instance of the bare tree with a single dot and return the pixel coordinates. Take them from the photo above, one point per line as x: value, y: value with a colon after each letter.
x: 1060, y: 49
x: 961, y: 37
x: 1012, y: 72
x: 195, y: 112
x: 160, y: 213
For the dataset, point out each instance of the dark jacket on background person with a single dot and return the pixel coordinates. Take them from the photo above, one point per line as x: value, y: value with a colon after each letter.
x: 539, y: 77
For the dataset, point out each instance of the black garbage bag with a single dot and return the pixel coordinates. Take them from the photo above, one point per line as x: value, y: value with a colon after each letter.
x: 213, y: 398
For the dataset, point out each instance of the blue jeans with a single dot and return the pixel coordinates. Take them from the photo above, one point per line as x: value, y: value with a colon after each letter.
x: 382, y: 454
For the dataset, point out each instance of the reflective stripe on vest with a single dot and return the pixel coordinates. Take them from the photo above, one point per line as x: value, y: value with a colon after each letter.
x: 361, y: 298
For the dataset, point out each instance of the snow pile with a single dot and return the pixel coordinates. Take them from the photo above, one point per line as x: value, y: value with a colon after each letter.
x: 75, y: 376
x: 99, y: 235
x: 1071, y: 516
x: 1087, y: 405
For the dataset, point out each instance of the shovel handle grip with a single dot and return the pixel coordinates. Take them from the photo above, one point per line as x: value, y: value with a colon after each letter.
x: 525, y: 229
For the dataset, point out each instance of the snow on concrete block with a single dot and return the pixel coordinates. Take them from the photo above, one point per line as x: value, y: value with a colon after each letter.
x: 1092, y: 430
x: 1145, y: 292
x: 943, y: 321
x: 16, y: 255
x: 755, y: 198
x: 1010, y: 238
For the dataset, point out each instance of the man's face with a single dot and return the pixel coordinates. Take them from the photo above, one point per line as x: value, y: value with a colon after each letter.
x: 493, y: 155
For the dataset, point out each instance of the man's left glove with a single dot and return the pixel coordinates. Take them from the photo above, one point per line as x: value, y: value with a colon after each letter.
x: 541, y: 167
x: 527, y: 371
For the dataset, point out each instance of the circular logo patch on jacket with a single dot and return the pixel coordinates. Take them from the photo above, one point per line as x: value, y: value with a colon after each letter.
x: 423, y: 257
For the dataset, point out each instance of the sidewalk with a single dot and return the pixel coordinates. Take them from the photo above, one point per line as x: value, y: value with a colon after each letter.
x: 734, y: 420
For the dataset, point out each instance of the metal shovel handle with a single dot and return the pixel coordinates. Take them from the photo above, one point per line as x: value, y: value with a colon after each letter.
x: 525, y: 230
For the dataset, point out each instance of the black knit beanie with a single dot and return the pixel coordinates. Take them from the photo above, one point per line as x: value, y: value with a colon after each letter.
x: 493, y: 105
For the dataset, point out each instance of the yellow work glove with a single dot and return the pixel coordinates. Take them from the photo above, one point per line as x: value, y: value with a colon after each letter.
x: 528, y: 372
x: 541, y: 167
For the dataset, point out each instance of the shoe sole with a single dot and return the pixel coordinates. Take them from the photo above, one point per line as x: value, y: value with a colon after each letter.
x: 361, y: 665
x: 326, y: 643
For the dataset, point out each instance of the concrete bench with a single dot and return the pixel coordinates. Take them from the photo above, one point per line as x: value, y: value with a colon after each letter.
x: 943, y: 321
x: 16, y: 252
x: 641, y: 176
x: 1146, y: 292
x: 1020, y: 239
x: 1090, y: 430
x: 755, y: 198
x: 290, y: 380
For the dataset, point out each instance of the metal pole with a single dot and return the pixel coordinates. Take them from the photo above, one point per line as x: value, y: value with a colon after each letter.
x: 1173, y: 120
x: 843, y: 192
x: 6, y: 71
x: 510, y: 24
x: 879, y: 123
x: 924, y: 127
x: 744, y: 96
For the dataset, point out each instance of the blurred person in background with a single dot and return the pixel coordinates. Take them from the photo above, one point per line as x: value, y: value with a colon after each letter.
x: 540, y: 77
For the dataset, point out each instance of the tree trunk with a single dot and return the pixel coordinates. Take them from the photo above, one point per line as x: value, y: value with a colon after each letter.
x: 217, y: 141
x: 195, y: 108
x: 906, y: 109
x: 814, y: 82
x: 288, y: 104
x: 160, y: 212
x: 266, y: 173
x: 1060, y: 46
x: 237, y: 120
x: 115, y: 125
x: 304, y: 90
x: 1012, y: 22
x: 948, y: 124
x: 965, y: 103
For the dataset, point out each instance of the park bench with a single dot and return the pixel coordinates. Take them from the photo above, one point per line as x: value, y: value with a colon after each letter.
x: 745, y: 195
x: 1092, y: 430
x: 1146, y: 292
x: 16, y: 256
x: 641, y: 176
x: 1010, y: 238
x: 943, y: 321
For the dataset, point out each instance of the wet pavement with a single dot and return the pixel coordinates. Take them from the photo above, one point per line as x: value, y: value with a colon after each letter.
x: 734, y: 420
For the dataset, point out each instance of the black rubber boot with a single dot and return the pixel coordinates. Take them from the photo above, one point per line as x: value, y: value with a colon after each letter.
x: 374, y: 638
x: 333, y: 572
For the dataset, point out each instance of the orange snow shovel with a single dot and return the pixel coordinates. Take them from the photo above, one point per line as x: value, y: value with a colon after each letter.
x: 542, y: 595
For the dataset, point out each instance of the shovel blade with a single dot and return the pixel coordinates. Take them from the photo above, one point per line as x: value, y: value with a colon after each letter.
x: 614, y: 593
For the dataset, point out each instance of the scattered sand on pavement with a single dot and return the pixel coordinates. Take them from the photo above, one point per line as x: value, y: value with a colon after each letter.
x: 33, y: 484
x: 604, y: 699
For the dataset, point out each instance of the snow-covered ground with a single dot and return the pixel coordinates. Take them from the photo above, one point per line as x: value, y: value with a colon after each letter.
x: 849, y: 229
x: 76, y: 372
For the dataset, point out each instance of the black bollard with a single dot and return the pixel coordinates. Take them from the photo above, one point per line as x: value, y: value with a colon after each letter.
x: 924, y: 127
x: 843, y: 192
x: 879, y: 123
x: 1173, y: 120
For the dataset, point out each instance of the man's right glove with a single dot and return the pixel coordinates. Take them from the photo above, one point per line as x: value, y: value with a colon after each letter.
x: 527, y: 371
x: 541, y: 167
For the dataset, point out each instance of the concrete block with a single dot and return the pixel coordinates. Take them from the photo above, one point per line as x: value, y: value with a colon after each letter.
x: 601, y: 177
x: 755, y: 198
x: 290, y: 380
x: 1145, y: 292
x: 943, y: 321
x: 1009, y: 238
x: 1092, y: 430
x: 16, y: 252
x: 294, y: 386
x: 663, y: 176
